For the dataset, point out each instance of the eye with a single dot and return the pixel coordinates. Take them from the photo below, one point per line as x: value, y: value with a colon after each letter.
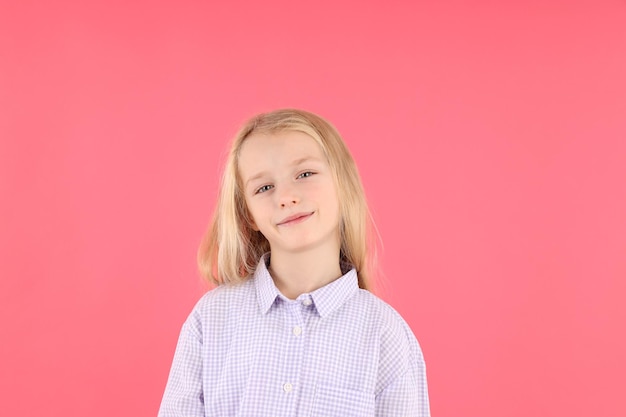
x: 263, y: 189
x: 306, y: 174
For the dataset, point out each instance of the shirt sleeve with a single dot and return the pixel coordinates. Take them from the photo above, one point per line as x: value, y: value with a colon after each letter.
x: 407, y: 395
x: 405, y: 391
x: 183, y: 395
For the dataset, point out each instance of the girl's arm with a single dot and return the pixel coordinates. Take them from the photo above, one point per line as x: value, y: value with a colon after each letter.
x: 183, y: 395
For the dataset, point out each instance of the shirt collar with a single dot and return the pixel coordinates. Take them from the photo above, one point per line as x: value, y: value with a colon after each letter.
x: 265, y: 289
x: 326, y: 299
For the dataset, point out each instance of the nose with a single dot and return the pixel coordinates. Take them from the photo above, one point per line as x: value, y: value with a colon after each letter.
x: 287, y: 197
x: 288, y: 203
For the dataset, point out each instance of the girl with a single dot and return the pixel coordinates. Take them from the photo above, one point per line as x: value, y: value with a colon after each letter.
x: 291, y: 329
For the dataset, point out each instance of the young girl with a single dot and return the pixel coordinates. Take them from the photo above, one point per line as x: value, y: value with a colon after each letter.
x: 291, y: 329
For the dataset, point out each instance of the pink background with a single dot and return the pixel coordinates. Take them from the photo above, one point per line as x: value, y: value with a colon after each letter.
x: 491, y: 137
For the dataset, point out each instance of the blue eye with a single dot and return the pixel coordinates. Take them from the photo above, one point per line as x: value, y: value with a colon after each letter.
x: 264, y: 189
x: 306, y: 174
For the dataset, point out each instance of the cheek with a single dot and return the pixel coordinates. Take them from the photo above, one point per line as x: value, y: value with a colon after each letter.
x: 329, y: 196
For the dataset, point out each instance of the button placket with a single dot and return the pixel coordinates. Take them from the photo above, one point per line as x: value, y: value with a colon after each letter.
x: 295, y: 323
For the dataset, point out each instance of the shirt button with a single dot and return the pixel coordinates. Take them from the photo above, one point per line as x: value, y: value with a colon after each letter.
x: 307, y: 302
x: 297, y: 330
x: 287, y: 387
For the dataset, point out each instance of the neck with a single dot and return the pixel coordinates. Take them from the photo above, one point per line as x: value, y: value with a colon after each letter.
x: 303, y: 272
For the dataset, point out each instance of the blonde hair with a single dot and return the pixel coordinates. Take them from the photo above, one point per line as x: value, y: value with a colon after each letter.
x: 231, y: 249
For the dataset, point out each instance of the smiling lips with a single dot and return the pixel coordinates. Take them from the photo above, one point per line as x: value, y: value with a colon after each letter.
x: 296, y: 218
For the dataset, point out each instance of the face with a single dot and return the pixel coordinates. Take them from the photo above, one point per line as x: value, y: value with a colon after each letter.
x: 290, y: 192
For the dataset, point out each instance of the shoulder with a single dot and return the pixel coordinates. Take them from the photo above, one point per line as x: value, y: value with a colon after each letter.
x: 391, y: 323
x: 217, y: 305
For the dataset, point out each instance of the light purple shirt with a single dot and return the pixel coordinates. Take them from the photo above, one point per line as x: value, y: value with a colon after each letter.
x: 246, y: 350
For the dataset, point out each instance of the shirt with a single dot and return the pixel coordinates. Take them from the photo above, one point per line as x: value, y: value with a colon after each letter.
x: 246, y: 350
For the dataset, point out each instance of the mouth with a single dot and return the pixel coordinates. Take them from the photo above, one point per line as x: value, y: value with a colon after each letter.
x: 296, y: 218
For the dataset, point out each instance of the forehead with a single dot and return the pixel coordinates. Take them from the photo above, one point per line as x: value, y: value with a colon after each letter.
x: 268, y: 151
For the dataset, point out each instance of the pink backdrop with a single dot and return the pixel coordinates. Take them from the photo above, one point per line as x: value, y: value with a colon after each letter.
x: 491, y: 138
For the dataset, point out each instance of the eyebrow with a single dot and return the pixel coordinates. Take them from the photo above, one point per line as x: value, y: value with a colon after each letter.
x: 294, y: 163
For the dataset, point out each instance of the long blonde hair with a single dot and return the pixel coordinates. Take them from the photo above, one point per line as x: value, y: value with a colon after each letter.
x: 231, y: 249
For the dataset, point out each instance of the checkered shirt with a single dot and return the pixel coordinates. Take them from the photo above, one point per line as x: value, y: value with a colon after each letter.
x: 246, y: 350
